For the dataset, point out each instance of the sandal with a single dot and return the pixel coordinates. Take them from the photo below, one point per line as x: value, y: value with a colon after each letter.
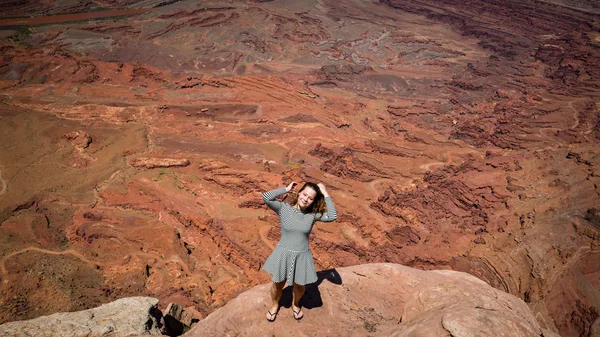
x: 272, y: 317
x: 296, y: 313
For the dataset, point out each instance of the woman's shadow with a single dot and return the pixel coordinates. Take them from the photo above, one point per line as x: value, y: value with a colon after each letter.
x: 312, y: 296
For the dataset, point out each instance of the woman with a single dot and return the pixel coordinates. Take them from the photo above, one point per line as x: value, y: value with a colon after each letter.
x: 291, y: 261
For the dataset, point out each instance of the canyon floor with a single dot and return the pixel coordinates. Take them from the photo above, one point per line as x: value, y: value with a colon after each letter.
x: 136, y: 138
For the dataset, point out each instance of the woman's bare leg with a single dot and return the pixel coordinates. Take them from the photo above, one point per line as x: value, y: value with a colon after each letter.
x: 297, y: 294
x: 276, y: 291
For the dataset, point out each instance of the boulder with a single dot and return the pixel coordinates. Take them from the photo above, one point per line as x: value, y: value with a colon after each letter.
x: 130, y: 316
x: 177, y: 320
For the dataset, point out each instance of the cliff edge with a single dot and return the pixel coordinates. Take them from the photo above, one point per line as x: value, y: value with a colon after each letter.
x: 380, y: 300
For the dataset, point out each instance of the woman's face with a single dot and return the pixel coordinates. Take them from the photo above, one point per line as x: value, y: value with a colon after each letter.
x: 306, y: 198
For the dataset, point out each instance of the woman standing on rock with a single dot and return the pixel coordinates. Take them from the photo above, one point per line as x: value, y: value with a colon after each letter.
x: 291, y: 262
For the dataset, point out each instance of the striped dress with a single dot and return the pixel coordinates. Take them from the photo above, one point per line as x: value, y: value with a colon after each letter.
x: 292, y: 260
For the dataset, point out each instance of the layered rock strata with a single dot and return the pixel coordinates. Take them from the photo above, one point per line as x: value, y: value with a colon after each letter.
x: 452, y: 134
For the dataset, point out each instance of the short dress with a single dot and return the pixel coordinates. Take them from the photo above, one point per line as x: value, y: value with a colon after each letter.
x: 292, y: 260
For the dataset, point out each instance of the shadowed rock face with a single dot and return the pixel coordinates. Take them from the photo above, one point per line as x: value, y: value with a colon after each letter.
x: 451, y: 135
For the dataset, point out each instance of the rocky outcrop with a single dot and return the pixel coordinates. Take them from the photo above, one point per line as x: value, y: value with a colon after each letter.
x: 158, y: 162
x: 451, y: 134
x: 373, y: 299
x: 380, y: 300
x: 177, y: 320
x: 124, y: 317
x: 80, y: 139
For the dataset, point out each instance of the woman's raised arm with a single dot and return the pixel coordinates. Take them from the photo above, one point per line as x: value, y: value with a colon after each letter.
x: 269, y: 197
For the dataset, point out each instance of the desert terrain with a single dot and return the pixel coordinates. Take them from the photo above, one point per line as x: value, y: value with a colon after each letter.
x: 136, y: 138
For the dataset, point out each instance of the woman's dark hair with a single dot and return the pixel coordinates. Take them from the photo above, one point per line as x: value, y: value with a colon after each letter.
x: 318, y: 205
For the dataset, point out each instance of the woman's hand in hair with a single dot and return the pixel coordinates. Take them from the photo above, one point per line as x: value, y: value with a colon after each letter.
x: 291, y: 186
x: 323, y: 189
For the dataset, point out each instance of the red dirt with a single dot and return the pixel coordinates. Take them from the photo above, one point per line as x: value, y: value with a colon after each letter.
x: 452, y: 135
x: 44, y: 20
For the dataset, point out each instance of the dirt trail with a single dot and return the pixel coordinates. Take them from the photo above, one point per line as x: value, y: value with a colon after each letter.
x: 575, y: 116
x: 373, y: 185
x: 2, y: 184
x: 263, y: 232
x: 542, y: 131
x: 44, y: 20
x: 4, y: 272
x: 78, y: 255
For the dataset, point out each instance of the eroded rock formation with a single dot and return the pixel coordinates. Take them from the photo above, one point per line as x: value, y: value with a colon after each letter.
x: 454, y: 135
